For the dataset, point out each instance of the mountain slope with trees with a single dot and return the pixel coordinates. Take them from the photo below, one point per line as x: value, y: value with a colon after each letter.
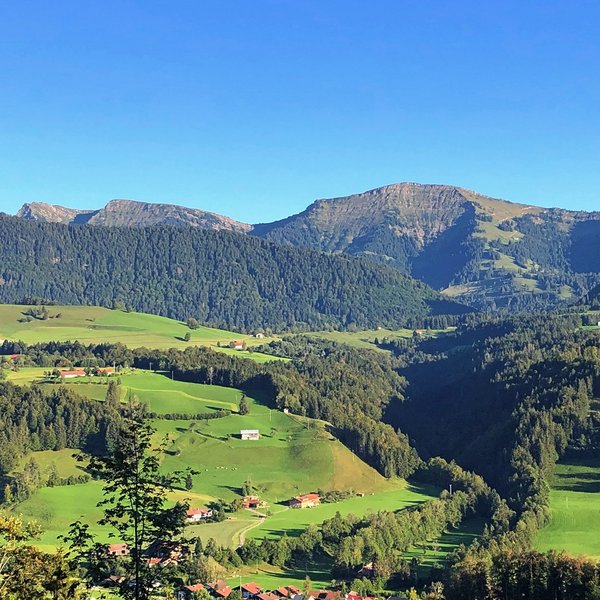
x: 222, y: 279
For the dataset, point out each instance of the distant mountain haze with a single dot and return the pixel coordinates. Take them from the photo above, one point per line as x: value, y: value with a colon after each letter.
x: 487, y: 252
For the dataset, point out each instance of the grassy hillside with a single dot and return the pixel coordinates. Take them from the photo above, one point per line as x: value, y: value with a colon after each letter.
x: 575, y: 509
x: 93, y: 324
x: 294, y: 455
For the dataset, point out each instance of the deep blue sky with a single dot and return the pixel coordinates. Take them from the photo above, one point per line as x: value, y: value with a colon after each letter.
x: 254, y: 108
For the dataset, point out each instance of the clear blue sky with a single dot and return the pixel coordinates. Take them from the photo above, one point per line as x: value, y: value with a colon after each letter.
x: 254, y: 108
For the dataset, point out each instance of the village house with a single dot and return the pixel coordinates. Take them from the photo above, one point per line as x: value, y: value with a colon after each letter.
x: 237, y: 345
x: 218, y: 589
x: 198, y: 514
x: 305, y: 501
x: 267, y: 596
x: 287, y: 591
x: 117, y: 549
x: 250, y: 591
x: 250, y: 434
x: 187, y: 592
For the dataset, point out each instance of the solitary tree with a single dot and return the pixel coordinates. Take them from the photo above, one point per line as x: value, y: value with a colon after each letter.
x: 135, y: 504
x: 244, y: 407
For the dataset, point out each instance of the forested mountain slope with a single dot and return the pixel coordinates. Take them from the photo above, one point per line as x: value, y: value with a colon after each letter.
x: 221, y: 278
x: 486, y: 252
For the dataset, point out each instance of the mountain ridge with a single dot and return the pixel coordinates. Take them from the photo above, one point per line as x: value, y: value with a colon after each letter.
x: 483, y: 251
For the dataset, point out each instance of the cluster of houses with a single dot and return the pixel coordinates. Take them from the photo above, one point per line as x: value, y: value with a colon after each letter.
x: 252, y: 591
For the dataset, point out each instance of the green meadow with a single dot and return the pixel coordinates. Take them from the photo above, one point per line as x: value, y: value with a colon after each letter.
x: 366, y: 339
x: 575, y: 509
x: 94, y: 324
x: 294, y: 455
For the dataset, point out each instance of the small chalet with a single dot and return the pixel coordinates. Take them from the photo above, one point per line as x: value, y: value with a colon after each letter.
x: 250, y: 502
x: 198, y: 514
x: 237, y: 345
x: 367, y: 571
x: 117, y: 549
x: 305, y: 501
x: 218, y: 589
x: 250, y: 591
x: 250, y: 434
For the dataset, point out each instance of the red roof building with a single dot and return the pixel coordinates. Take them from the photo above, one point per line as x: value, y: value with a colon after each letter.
x: 250, y: 590
x: 198, y: 514
x: 305, y: 501
x: 117, y: 549
x: 73, y: 373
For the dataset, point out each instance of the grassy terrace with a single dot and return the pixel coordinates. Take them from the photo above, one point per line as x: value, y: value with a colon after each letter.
x: 93, y: 324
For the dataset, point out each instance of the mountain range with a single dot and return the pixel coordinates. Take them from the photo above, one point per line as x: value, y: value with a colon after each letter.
x: 482, y: 251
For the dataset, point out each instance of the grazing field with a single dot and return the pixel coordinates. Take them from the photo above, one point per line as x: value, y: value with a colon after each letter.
x: 434, y: 552
x: 575, y: 509
x: 93, y: 324
x: 294, y: 455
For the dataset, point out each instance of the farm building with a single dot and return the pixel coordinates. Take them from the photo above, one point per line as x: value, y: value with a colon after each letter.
x: 305, y: 501
x: 237, y: 345
x: 198, y: 514
x: 72, y: 373
x: 250, y: 434
x: 251, y: 502
x: 117, y: 549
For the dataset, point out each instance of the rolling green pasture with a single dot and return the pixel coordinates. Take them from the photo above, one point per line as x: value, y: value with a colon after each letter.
x: 94, y: 324
x: 575, y: 509
x: 294, y: 455
x: 162, y: 394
